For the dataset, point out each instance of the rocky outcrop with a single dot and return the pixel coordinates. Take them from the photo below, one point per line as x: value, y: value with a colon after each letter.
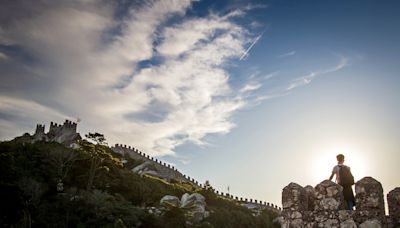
x: 194, y: 205
x: 170, y: 201
x: 323, y: 206
x: 146, y: 168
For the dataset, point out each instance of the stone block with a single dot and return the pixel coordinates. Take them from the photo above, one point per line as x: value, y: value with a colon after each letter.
x: 328, y: 196
x: 369, y: 199
x: 393, y: 198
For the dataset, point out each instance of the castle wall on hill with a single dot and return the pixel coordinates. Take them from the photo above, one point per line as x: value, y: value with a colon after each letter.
x: 165, y: 171
x: 169, y: 172
x: 65, y: 133
x: 324, y: 206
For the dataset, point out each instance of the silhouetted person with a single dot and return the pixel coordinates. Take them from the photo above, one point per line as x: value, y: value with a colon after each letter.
x: 345, y: 179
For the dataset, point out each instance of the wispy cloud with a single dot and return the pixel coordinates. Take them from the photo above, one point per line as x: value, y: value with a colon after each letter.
x: 287, y: 54
x: 94, y: 70
x: 304, y: 80
x: 250, y: 87
x: 3, y: 56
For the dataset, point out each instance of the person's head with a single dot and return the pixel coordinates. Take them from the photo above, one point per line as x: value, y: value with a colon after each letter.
x: 340, y: 158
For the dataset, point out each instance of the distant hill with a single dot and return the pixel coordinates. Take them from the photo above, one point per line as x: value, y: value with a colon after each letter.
x: 48, y: 183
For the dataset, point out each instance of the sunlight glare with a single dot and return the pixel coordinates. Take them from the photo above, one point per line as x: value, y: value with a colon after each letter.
x: 326, y: 160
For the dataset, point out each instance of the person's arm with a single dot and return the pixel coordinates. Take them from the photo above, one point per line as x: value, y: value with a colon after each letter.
x: 330, y: 178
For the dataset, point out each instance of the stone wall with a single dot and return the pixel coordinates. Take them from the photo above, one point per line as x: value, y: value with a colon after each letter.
x: 65, y: 133
x: 159, y: 168
x: 155, y: 167
x: 393, y: 198
x: 324, y: 206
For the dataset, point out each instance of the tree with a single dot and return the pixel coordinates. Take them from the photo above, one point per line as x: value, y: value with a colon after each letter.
x: 95, y: 152
x: 62, y: 159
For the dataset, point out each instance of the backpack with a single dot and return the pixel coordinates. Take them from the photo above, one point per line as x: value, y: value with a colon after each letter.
x: 346, y: 178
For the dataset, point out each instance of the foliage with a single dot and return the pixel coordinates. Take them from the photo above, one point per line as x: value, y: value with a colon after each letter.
x: 98, y: 191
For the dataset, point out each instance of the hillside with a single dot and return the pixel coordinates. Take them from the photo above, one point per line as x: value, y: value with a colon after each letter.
x: 50, y: 184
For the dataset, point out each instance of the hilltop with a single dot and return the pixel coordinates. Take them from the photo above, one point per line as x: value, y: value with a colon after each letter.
x: 59, y: 179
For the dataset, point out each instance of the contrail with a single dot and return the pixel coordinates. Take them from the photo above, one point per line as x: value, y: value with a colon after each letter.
x: 251, y: 46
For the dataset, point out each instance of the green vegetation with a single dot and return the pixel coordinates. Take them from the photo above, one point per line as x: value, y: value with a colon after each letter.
x: 50, y: 185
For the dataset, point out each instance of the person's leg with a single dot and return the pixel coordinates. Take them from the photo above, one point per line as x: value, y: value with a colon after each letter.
x: 350, y: 205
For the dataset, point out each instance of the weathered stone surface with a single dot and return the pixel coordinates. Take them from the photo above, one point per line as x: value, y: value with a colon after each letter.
x: 194, y: 199
x: 369, y: 200
x: 393, y: 198
x: 310, y: 195
x: 170, y: 201
x: 372, y: 223
x: 328, y: 196
x: 194, y: 205
x: 294, y: 197
x: 349, y: 223
x: 329, y: 223
x: 329, y: 205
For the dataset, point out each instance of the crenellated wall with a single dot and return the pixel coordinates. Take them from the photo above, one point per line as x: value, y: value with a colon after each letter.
x: 65, y: 133
x: 169, y: 172
x: 324, y: 206
x: 152, y: 165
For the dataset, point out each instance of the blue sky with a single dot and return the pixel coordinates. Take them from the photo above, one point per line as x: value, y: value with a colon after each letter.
x: 247, y: 94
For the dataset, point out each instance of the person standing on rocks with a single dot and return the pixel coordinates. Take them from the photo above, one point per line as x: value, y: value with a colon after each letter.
x: 345, y: 179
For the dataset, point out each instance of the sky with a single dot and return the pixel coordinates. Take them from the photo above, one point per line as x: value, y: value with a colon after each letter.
x: 250, y: 95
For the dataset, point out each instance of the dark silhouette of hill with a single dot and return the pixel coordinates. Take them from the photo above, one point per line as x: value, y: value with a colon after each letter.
x: 47, y: 184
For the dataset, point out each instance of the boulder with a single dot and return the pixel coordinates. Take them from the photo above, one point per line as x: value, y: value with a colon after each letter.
x: 170, y: 201
x: 195, y: 206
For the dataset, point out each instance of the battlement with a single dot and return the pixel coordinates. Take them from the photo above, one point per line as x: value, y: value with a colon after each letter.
x: 65, y: 133
x: 175, y: 174
x: 324, y: 206
x: 69, y: 124
x: 39, y: 129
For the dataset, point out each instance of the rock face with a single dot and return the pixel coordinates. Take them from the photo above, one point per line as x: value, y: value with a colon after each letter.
x: 194, y: 205
x: 170, y: 201
x: 393, y: 199
x: 151, y: 166
x: 323, y: 206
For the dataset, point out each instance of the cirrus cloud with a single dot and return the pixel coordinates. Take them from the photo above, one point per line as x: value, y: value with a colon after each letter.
x: 152, y: 77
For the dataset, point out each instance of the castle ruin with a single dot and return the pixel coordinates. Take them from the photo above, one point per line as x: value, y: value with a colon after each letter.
x: 65, y: 133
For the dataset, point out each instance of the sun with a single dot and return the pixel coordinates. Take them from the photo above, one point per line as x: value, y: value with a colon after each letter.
x: 326, y: 160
